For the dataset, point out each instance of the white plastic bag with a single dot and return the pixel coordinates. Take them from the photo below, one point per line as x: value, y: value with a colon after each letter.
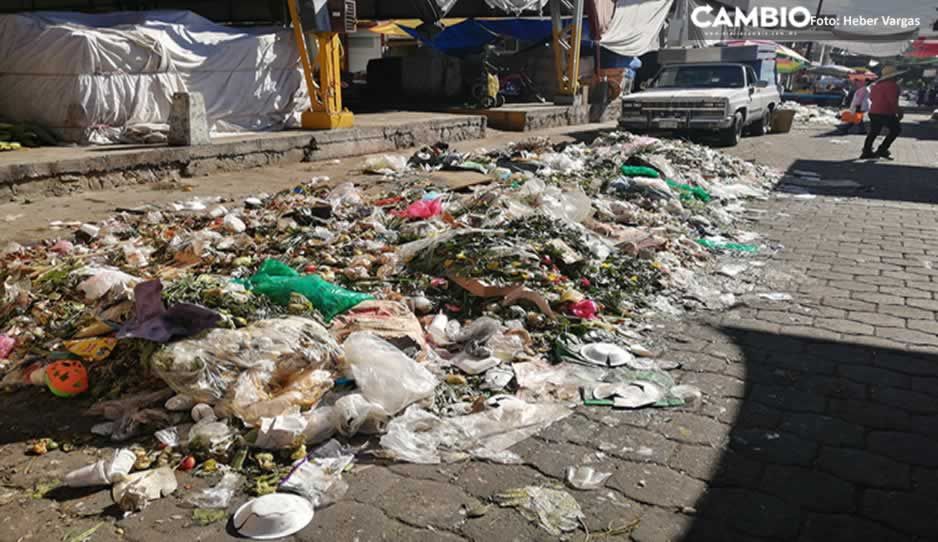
x: 354, y: 414
x: 281, y: 432
x: 386, y: 164
x: 105, y: 280
x: 386, y: 375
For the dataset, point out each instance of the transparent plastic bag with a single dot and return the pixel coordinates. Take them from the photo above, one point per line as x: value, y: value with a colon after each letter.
x: 420, y: 437
x: 320, y: 424
x: 213, y: 437
x: 386, y: 375
x: 218, y: 496
x: 318, y: 479
x: 206, y: 368
x: 585, y: 478
x: 251, y: 399
x: 415, y: 436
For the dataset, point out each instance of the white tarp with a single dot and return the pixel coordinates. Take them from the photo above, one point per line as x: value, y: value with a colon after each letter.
x: 511, y: 6
x: 636, y: 26
x: 96, y: 72
x: 516, y: 6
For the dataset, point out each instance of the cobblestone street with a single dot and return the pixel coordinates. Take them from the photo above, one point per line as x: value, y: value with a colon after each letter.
x: 819, y: 417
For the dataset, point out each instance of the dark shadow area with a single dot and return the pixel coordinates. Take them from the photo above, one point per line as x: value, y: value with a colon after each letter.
x: 128, y: 147
x: 832, y: 442
x: 33, y: 412
x: 926, y: 130
x: 879, y: 180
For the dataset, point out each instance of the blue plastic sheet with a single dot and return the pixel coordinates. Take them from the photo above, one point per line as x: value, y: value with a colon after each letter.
x: 470, y: 36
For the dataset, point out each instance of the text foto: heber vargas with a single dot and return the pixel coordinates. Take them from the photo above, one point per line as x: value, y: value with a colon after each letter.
x: 860, y: 20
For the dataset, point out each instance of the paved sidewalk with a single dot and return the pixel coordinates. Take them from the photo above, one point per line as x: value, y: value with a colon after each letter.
x: 819, y: 414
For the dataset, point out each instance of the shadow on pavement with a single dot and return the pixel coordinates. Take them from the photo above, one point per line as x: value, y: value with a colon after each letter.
x: 879, y: 180
x: 833, y: 442
x: 924, y: 130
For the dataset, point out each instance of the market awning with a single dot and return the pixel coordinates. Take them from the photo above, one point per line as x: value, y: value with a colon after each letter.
x: 923, y: 48
x: 832, y: 70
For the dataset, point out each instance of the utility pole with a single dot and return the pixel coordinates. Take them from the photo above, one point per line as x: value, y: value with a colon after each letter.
x: 820, y: 4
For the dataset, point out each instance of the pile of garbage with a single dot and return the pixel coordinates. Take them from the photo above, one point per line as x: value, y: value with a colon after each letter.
x: 813, y: 115
x: 422, y: 321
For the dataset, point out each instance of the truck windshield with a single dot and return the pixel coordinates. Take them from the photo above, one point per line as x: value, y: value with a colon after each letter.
x: 700, y: 77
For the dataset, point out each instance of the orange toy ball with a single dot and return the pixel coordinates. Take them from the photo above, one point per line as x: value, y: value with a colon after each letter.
x: 67, y: 377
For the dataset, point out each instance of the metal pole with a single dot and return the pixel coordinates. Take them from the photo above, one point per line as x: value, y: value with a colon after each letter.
x: 817, y: 13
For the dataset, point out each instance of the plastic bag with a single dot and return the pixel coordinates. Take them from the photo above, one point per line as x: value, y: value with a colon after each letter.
x: 415, y: 436
x: 639, y: 171
x: 104, y: 281
x: 384, y: 374
x: 318, y: 479
x: 275, y: 351
x: 390, y: 320
x: 277, y: 281
x: 387, y: 164
x: 422, y: 209
x: 354, y: 413
x: 214, y: 437
x: 572, y: 205
x: 585, y: 478
x: 281, y: 432
x: 259, y: 393
x: 555, y: 510
x: 320, y: 424
x: 421, y: 437
x: 218, y: 496
x: 731, y: 247
x: 689, y: 192
x: 6, y: 346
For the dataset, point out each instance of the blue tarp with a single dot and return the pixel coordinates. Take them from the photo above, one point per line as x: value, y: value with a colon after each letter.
x: 470, y: 36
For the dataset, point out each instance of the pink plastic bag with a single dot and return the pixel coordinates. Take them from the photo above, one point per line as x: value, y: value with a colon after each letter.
x: 422, y: 209
x: 585, y: 309
x: 6, y: 346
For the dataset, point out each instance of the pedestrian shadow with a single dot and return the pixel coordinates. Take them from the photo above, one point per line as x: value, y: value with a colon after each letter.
x: 832, y: 441
x: 878, y: 180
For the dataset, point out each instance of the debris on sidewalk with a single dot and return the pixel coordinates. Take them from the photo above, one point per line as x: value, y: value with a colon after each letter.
x: 586, y: 477
x: 432, y: 324
x: 813, y: 115
x: 556, y: 511
x: 272, y: 516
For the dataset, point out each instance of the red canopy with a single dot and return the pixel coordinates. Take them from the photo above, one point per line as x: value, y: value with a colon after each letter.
x: 923, y: 48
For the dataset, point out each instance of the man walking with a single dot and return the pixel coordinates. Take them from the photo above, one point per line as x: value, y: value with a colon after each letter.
x: 884, y: 113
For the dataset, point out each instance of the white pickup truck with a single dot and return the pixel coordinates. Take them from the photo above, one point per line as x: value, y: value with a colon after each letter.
x: 726, y: 98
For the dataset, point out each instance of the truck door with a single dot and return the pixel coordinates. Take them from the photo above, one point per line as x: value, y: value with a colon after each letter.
x: 756, y: 98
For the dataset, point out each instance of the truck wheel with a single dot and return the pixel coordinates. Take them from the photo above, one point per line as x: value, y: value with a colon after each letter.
x: 765, y: 124
x: 730, y: 137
